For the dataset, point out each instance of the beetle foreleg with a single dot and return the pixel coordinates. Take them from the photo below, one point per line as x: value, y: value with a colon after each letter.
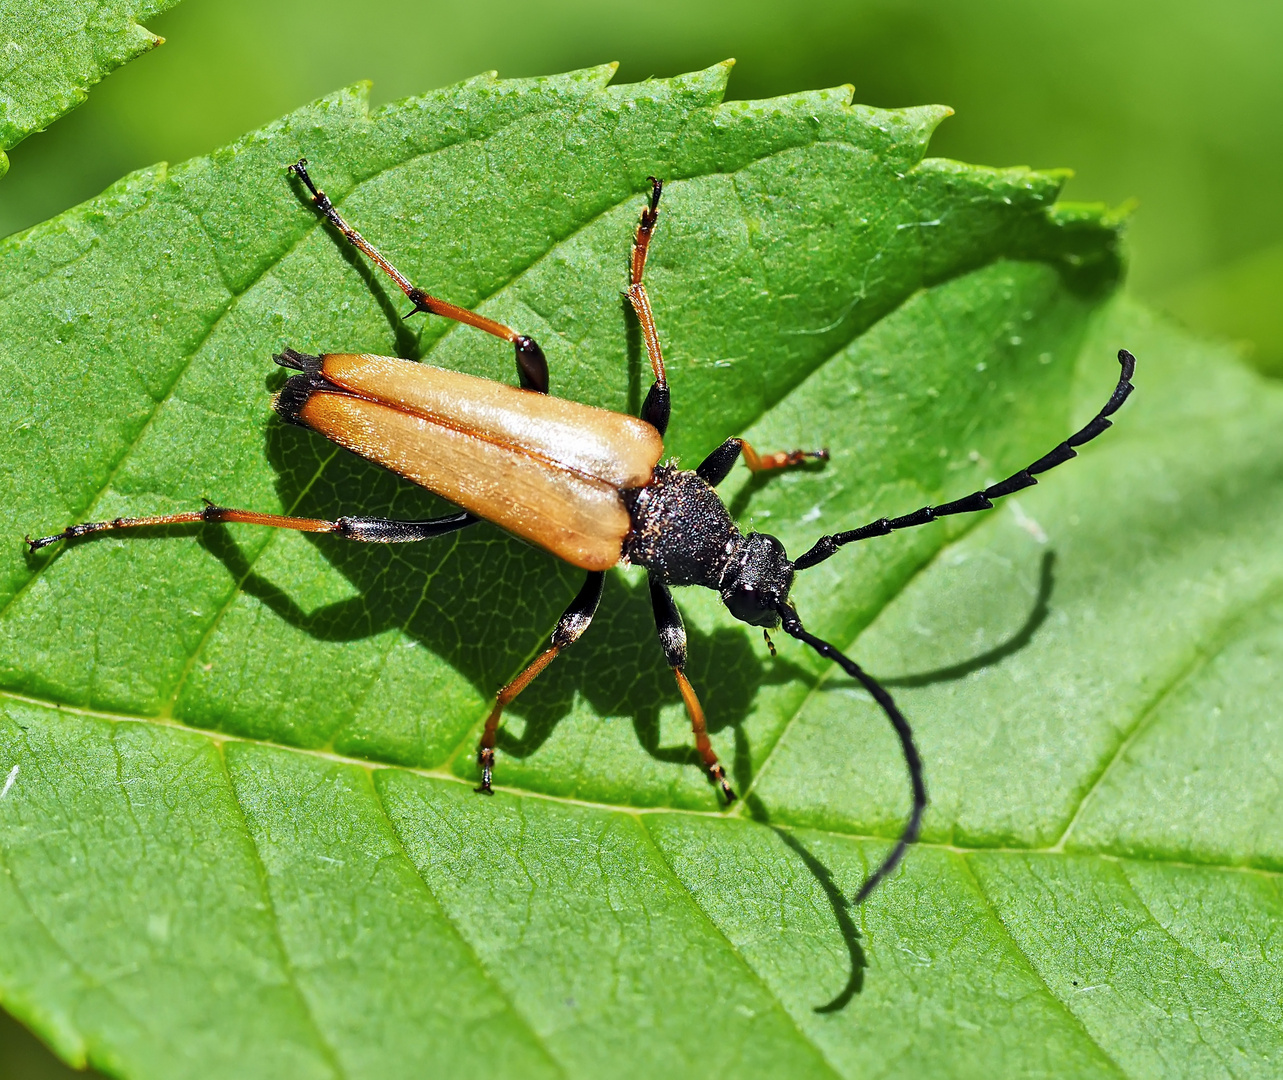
x: 672, y: 638
x: 717, y: 466
x: 570, y: 627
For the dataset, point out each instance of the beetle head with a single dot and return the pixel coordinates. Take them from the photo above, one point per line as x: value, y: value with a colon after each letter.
x: 756, y: 583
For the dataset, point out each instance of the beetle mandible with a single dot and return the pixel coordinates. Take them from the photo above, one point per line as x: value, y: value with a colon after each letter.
x: 585, y: 484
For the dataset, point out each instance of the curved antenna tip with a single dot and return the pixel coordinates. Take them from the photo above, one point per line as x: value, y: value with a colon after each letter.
x: 793, y: 627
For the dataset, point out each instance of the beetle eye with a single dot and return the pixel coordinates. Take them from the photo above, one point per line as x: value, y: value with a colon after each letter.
x: 750, y: 606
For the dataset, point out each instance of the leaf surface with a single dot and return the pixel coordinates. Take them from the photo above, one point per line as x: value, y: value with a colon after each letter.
x: 53, y: 51
x: 239, y: 836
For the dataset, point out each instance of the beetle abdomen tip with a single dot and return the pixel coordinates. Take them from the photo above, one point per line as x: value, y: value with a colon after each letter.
x: 298, y: 388
x: 292, y: 397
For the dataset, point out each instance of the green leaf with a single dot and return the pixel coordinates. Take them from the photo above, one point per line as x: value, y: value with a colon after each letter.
x: 53, y: 51
x: 240, y: 837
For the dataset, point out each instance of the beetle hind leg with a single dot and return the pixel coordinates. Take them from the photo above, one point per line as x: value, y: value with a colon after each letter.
x: 532, y: 367
x: 366, y: 529
x: 658, y: 403
x: 570, y: 627
x: 672, y: 637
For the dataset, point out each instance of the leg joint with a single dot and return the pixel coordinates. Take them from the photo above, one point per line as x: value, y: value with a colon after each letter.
x: 658, y: 407
x: 532, y: 366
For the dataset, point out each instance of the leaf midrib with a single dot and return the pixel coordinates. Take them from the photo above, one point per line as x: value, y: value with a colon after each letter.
x: 639, y: 814
x: 220, y: 737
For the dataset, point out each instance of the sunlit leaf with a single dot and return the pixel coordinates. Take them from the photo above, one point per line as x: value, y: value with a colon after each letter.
x: 238, y: 836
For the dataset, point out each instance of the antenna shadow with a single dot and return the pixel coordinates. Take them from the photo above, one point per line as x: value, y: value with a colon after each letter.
x: 1017, y: 641
x: 838, y: 901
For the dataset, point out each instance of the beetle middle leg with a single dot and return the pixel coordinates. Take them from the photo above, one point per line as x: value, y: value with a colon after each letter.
x: 715, y: 468
x: 570, y: 627
x: 672, y: 637
x: 532, y: 368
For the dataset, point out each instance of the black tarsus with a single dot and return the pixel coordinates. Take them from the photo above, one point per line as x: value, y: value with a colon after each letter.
x: 71, y: 532
x: 299, y: 169
x: 793, y: 626
x: 982, y: 500
x: 319, y: 199
x: 651, y: 214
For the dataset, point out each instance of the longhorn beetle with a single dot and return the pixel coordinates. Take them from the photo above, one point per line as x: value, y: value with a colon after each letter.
x: 583, y: 483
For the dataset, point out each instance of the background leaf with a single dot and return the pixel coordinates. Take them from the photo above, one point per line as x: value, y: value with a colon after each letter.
x: 55, y: 50
x: 1172, y: 103
x: 240, y: 837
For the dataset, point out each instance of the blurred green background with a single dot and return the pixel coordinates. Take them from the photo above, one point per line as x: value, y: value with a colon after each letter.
x: 1177, y: 103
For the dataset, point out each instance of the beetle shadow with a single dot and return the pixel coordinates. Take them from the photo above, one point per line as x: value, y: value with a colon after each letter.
x: 618, y: 667
x: 951, y: 672
x: 436, y: 591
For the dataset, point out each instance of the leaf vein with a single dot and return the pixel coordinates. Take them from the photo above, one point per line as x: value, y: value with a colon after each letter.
x: 1233, y: 990
x: 89, y: 979
x: 463, y: 941
x: 327, y: 1051
x: 1073, y: 1017
x: 705, y: 918
x: 1216, y: 641
x: 235, y: 592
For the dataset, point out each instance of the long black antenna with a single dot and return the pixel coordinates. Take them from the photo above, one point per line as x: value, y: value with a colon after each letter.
x: 793, y: 626
x: 826, y: 546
